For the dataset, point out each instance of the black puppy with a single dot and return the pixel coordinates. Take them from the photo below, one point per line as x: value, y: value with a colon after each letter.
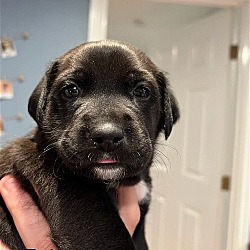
x: 99, y: 110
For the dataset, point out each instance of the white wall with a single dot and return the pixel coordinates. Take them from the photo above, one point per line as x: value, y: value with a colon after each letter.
x: 54, y: 28
x: 146, y: 24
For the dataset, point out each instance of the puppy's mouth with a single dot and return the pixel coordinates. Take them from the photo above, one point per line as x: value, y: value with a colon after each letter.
x: 107, y: 161
x: 108, y: 169
x: 105, y: 168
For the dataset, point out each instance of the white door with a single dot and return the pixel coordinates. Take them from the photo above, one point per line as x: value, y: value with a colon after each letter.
x: 187, y: 198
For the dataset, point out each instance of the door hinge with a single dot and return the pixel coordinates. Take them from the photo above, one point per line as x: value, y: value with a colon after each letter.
x: 225, y: 183
x: 234, y: 51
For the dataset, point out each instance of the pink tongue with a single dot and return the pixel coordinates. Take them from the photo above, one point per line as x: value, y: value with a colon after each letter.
x: 110, y: 161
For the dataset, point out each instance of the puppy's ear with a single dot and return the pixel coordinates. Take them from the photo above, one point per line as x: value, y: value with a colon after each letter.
x: 170, y: 108
x: 38, y: 98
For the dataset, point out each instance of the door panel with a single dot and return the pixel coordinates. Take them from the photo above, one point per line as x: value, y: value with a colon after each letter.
x: 185, y: 208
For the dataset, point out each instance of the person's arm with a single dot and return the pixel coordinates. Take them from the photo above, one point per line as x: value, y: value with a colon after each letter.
x: 129, y: 209
x: 31, y: 224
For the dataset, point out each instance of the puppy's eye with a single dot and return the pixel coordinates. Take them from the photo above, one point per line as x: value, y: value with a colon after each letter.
x: 142, y: 92
x: 71, y: 91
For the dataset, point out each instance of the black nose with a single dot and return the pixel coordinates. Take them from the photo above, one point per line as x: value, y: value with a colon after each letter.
x: 107, y: 137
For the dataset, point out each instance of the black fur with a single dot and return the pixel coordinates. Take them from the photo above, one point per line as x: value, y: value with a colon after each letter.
x: 100, y: 101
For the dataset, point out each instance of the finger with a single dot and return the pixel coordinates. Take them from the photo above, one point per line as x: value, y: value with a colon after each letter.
x: 30, y: 222
x: 129, y: 209
x: 3, y: 246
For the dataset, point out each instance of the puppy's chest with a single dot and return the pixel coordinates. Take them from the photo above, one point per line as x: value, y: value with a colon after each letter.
x: 143, y: 192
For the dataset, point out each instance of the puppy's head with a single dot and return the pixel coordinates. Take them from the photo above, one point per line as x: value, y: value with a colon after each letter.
x: 102, y: 106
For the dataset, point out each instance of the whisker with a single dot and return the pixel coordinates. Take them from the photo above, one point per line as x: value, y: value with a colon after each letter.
x: 139, y: 154
x: 47, y: 148
x: 164, y: 145
x: 160, y: 158
x: 56, y: 169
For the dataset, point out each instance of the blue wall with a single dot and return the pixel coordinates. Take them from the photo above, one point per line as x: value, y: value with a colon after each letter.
x: 54, y: 26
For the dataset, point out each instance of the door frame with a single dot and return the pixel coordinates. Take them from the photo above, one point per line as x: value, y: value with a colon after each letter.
x: 238, y: 226
x: 239, y: 215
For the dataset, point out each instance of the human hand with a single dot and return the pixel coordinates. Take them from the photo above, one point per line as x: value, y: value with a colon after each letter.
x: 31, y: 224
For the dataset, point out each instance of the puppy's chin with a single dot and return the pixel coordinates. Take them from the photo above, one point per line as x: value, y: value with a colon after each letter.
x: 108, y: 173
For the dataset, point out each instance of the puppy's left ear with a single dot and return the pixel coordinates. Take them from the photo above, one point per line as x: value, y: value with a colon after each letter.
x: 171, y: 112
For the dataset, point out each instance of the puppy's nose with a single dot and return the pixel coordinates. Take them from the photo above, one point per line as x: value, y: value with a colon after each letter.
x: 107, y: 137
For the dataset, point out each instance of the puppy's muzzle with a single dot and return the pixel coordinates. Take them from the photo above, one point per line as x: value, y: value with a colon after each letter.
x: 107, y: 137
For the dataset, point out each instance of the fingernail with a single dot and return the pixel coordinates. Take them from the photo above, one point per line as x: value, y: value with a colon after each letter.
x: 9, y: 183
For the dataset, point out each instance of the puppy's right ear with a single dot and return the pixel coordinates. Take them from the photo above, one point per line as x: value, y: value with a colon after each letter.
x: 38, y: 98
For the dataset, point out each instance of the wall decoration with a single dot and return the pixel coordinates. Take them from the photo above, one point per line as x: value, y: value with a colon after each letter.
x: 6, y: 89
x: 8, y: 48
x: 1, y: 126
x: 25, y: 35
x: 20, y: 78
x: 17, y: 117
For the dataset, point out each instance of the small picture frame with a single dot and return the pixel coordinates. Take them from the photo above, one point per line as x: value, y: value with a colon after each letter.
x: 6, y: 89
x: 1, y: 126
x: 8, y: 48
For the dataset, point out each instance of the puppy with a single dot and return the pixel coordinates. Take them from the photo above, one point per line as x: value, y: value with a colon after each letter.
x: 99, y: 110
